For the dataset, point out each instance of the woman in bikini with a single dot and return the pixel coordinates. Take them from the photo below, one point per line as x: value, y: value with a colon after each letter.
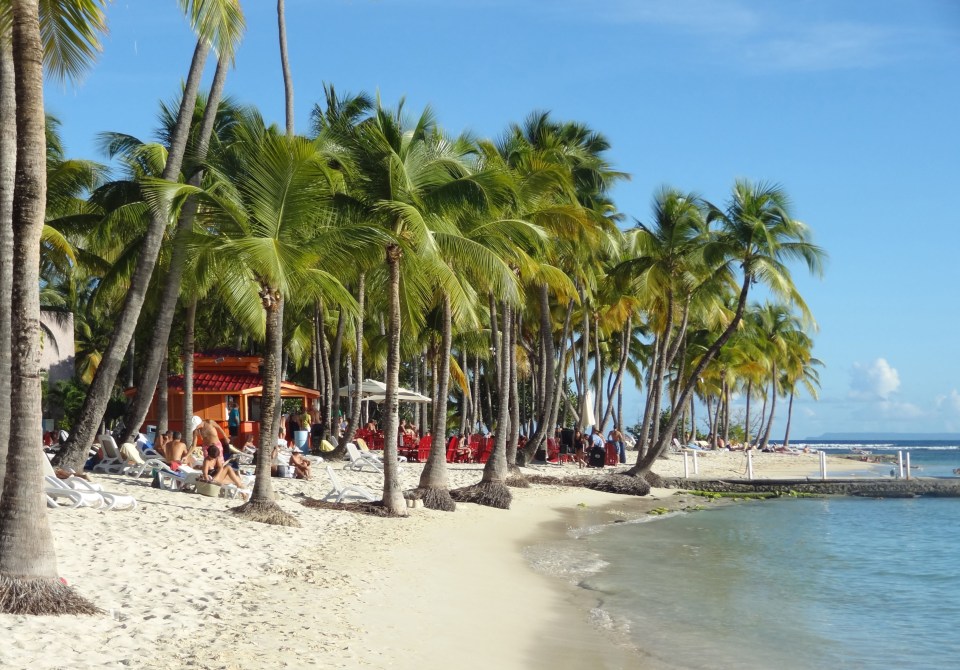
x: 215, y: 471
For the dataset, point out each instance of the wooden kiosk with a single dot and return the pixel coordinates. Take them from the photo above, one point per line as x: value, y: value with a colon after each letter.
x: 218, y: 379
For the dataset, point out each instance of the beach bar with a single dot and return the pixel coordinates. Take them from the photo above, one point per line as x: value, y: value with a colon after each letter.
x: 219, y: 378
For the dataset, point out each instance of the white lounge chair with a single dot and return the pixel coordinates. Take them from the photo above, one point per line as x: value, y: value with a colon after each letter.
x: 339, y: 491
x: 360, y: 461
x: 112, y: 462
x: 87, y: 494
x: 177, y: 480
x: 134, y: 464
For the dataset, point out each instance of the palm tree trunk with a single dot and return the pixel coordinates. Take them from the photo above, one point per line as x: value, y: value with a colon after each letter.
x: 262, y: 506
x: 150, y: 372
x: 336, y: 356
x: 392, y: 497
x: 73, y: 453
x: 598, y: 370
x: 746, y: 423
x: 28, y: 562
x: 285, y: 65
x: 189, y: 323
x: 773, y: 407
x: 786, y: 432
x: 492, y: 490
x: 433, y: 479
x: 644, y: 464
x: 514, y: 400
x: 494, y: 339
x: 354, y: 420
x: 618, y: 380
x: 314, y: 380
x: 8, y: 165
x: 163, y: 396
x: 648, y: 414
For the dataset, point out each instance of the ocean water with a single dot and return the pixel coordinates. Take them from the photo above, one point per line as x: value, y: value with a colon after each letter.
x: 787, y: 584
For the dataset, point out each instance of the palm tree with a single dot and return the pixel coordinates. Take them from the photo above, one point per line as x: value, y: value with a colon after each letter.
x: 219, y: 22
x: 801, y: 368
x: 70, y: 31
x: 271, y: 216
x: 412, y: 175
x: 285, y: 65
x: 758, y: 235
x: 157, y: 351
x: 28, y: 565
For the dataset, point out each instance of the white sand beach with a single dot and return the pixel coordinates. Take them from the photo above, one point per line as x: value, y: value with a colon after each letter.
x: 186, y: 584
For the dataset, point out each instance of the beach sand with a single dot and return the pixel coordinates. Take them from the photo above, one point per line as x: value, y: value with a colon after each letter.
x: 185, y: 584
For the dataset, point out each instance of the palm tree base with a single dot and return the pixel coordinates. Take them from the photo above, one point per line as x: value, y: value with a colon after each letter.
x: 620, y: 483
x: 432, y: 498
x: 490, y: 494
x: 30, y: 595
x: 516, y: 479
x: 265, y: 511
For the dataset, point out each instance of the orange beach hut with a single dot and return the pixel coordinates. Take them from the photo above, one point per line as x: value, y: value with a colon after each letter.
x: 219, y: 378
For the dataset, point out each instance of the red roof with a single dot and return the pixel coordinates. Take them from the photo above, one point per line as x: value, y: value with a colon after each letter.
x: 217, y: 381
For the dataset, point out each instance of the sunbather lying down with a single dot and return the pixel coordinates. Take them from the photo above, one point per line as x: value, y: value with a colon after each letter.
x: 216, y: 471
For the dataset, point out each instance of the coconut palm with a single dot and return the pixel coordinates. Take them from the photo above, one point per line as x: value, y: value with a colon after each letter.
x: 220, y: 23
x: 70, y: 31
x: 28, y: 566
x: 757, y: 236
x: 271, y: 217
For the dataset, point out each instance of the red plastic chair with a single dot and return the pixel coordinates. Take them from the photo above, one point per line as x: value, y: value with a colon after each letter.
x: 423, y: 449
x: 486, y: 448
x: 553, y: 450
x: 452, y: 448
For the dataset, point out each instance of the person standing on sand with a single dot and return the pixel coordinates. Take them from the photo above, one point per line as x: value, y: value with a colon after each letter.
x: 617, y: 438
x: 233, y: 419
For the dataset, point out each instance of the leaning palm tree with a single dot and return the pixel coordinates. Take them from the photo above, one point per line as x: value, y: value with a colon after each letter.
x: 758, y: 236
x: 218, y: 23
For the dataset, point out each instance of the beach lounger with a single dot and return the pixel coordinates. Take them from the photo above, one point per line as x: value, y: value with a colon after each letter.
x: 56, y: 492
x: 112, y: 462
x: 177, y: 480
x: 90, y: 494
x: 134, y: 463
x: 360, y: 461
x: 339, y: 491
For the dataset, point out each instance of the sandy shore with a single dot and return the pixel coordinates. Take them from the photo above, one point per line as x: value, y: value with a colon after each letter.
x: 187, y: 585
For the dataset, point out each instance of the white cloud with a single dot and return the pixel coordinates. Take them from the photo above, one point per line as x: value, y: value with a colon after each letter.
x: 825, y: 47
x: 949, y: 404
x: 876, y: 380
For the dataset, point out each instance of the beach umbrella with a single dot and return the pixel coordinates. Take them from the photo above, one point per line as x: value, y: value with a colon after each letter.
x: 369, y: 387
x: 403, y: 395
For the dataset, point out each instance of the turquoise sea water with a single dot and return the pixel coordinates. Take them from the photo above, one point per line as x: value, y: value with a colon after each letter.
x: 791, y: 583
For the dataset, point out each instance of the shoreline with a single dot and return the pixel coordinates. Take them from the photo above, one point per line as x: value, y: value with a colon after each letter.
x: 186, y: 584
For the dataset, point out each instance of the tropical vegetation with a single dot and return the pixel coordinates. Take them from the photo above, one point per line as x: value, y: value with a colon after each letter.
x: 496, y: 276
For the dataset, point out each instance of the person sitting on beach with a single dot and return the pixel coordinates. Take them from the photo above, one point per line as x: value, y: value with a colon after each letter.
x: 249, y: 446
x: 464, y: 452
x: 175, y: 450
x: 214, y: 471
x: 301, y: 466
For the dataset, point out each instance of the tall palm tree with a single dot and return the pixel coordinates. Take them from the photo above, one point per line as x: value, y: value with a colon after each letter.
x: 70, y: 34
x: 272, y: 217
x: 28, y: 565
x: 285, y: 66
x: 758, y: 236
x: 220, y: 23
x: 157, y: 351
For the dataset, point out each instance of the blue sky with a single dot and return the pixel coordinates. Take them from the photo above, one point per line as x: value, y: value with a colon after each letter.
x: 852, y: 106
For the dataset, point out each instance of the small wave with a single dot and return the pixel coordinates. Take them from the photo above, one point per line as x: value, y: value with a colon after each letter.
x: 566, y: 562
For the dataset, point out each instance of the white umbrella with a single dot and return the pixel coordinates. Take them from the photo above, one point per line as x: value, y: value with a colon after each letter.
x: 367, y: 388
x: 403, y: 395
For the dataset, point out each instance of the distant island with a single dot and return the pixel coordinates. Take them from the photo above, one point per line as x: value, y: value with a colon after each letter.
x: 887, y: 436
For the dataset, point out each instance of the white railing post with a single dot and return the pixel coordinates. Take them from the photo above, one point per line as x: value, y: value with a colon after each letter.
x: 908, y: 465
x: 686, y: 466
x: 750, y: 465
x: 823, y: 465
x: 900, y: 465
x: 696, y: 464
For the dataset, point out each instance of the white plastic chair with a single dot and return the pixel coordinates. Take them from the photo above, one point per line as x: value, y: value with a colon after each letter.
x: 360, y: 461
x: 339, y: 491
